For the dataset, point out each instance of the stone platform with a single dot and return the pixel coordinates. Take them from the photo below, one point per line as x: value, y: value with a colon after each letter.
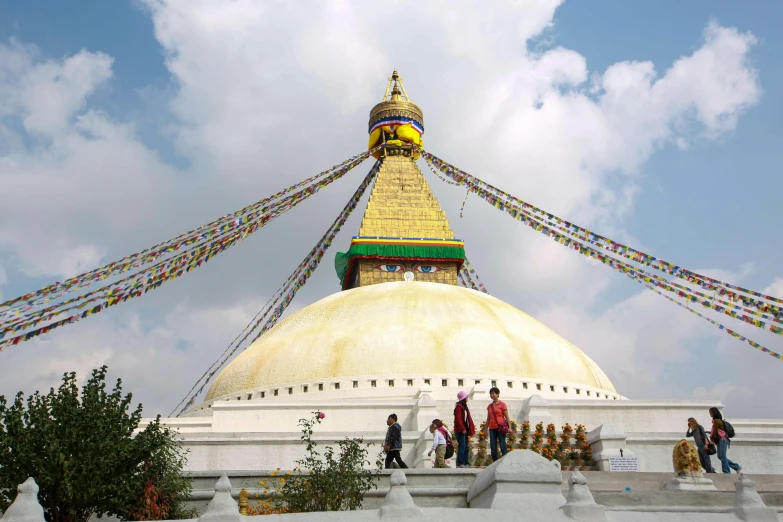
x: 521, y: 486
x: 449, y: 488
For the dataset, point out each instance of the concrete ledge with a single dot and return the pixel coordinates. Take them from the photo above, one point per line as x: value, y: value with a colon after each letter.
x: 449, y: 488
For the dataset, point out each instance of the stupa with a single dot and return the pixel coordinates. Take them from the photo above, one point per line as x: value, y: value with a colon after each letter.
x: 402, y: 337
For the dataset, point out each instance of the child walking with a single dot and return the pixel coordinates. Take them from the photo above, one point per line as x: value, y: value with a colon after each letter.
x: 438, y: 443
x: 393, y: 444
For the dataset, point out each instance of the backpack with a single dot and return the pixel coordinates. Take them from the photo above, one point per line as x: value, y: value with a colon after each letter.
x: 449, y: 449
x: 449, y: 445
x: 729, y: 429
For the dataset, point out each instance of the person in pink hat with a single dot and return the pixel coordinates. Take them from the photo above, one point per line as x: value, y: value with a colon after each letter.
x: 463, y: 428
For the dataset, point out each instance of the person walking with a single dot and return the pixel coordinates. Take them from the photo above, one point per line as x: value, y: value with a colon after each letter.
x: 720, y: 436
x: 393, y: 444
x: 498, y: 424
x: 438, y: 443
x: 696, y: 431
x: 463, y: 428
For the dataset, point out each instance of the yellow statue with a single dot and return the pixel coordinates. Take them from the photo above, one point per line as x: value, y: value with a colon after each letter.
x: 686, y: 458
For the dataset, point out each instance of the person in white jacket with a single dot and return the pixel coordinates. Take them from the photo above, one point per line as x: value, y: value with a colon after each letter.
x: 438, y: 444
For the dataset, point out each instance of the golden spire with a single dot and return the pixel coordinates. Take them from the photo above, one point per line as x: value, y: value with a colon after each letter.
x: 402, y: 205
x: 404, y: 233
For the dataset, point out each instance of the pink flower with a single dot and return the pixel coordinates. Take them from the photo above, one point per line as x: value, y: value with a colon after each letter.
x: 321, y: 415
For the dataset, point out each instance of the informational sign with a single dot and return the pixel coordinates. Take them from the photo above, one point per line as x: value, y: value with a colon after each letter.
x: 624, y: 464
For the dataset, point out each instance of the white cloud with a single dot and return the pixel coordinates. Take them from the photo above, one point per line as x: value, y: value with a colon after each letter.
x: 775, y: 289
x: 157, y: 364
x: 47, y: 94
x: 720, y: 391
x: 89, y: 178
x: 651, y: 348
x: 344, y: 56
x: 269, y: 93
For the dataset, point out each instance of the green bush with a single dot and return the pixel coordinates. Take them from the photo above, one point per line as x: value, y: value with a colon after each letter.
x: 81, y: 451
x: 334, y: 481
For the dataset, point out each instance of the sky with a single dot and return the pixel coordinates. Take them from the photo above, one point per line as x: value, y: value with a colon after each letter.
x: 125, y: 123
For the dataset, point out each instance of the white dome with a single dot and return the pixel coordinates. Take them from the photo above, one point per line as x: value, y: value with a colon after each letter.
x: 408, y: 328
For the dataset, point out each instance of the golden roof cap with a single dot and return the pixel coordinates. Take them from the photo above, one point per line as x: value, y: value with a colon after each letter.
x: 396, y: 104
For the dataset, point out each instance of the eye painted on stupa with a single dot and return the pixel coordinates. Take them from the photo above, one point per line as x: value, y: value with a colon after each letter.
x: 390, y: 268
x: 428, y: 269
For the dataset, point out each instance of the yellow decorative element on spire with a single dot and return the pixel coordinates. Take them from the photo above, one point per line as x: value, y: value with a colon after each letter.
x: 396, y: 120
x: 402, y: 205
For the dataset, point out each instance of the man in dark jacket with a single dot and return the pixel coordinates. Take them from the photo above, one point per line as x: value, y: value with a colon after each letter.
x: 393, y: 444
x: 696, y: 431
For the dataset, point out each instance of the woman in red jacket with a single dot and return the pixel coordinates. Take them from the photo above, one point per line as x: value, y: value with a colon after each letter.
x: 463, y: 428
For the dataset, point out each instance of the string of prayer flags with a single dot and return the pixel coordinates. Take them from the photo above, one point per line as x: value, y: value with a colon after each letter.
x: 538, y: 224
x: 682, y: 291
x: 222, y: 224
x: 201, y: 249
x: 549, y: 224
x: 272, y: 312
x: 497, y: 197
x: 714, y: 323
x: 320, y: 249
x: 461, y: 279
x: 465, y: 280
x: 464, y: 201
x: 470, y: 274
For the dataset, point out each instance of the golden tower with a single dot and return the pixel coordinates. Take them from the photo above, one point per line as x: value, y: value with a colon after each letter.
x: 404, y: 233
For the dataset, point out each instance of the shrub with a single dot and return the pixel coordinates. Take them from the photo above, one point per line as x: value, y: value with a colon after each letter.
x: 81, y: 451
x: 334, y: 481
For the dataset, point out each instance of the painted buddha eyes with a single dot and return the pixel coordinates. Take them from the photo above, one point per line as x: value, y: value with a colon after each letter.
x: 422, y: 269
x: 390, y: 268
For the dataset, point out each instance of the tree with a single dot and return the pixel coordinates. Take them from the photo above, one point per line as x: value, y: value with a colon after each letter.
x: 81, y: 451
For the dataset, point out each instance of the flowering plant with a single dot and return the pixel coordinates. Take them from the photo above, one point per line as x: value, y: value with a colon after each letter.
x: 333, y: 481
x: 587, y: 455
x: 482, y: 432
x: 581, y: 436
x: 524, y: 435
x: 551, y: 437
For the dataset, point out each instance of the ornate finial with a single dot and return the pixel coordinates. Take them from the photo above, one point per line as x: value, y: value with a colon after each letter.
x: 396, y: 89
x: 243, y: 502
